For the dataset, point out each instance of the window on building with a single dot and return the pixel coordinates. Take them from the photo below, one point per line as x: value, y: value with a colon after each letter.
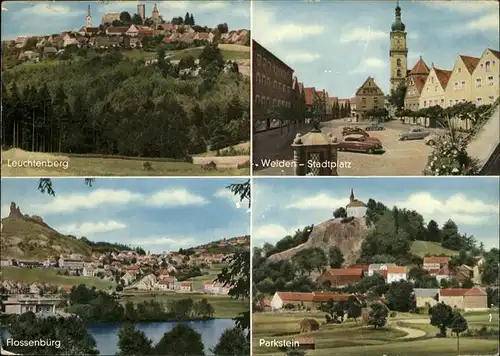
x: 432, y: 80
x: 459, y: 70
x: 455, y: 85
x: 490, y: 80
x: 257, y: 99
x: 481, y: 66
x: 425, y: 103
x: 478, y: 83
x: 398, y: 73
x: 456, y: 101
x: 479, y: 101
x: 259, y: 60
x: 258, y: 78
x: 274, y: 102
x: 442, y: 102
x: 398, y: 62
x: 491, y: 99
x: 436, y: 88
x: 463, y: 84
x: 487, y: 66
x: 451, y: 103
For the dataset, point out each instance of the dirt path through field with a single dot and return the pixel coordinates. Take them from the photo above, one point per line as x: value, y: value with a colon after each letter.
x: 410, y: 332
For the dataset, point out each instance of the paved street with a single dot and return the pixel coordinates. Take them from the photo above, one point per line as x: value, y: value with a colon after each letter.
x: 401, y: 158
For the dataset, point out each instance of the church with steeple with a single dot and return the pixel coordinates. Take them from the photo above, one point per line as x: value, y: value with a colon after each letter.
x: 88, y: 19
x: 356, y: 208
x: 398, y: 52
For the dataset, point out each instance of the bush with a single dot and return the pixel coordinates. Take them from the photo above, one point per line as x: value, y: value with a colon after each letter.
x: 147, y: 166
x: 450, y: 157
x: 393, y: 314
x: 211, y: 166
x: 347, y: 220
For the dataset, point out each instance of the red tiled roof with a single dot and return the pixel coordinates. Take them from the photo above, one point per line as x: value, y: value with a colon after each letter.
x: 345, y: 271
x: 453, y: 292
x: 420, y: 67
x: 186, y: 284
x: 363, y: 267
x: 296, y: 296
x: 443, y: 76
x: 325, y: 297
x: 419, y: 81
x: 397, y: 269
x: 145, y: 32
x: 203, y: 36
x: 163, y: 281
x: 117, y: 29
x: 310, y: 93
x: 475, y: 292
x: 470, y: 62
x: 495, y: 53
x: 445, y: 271
x: 436, y: 259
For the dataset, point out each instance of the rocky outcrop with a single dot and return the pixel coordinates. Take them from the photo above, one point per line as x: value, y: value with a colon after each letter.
x: 346, y: 234
x: 16, y: 213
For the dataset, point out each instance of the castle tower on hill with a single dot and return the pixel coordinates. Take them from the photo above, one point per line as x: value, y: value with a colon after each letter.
x: 141, y: 11
x: 156, y: 15
x: 88, y: 19
x: 398, y: 52
x: 355, y: 208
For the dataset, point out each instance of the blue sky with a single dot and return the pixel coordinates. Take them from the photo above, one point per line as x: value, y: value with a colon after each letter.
x: 281, y: 206
x: 336, y: 45
x: 157, y: 214
x: 48, y: 17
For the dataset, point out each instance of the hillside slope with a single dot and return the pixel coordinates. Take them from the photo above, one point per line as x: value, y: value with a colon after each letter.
x: 422, y: 248
x: 347, y: 236
x: 26, y: 237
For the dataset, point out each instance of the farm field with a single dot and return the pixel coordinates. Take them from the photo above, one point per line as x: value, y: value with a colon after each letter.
x: 225, y: 307
x: 49, y: 275
x: 353, y: 339
x: 103, y: 165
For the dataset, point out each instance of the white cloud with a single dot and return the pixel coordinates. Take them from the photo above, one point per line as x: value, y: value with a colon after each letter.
x: 5, y: 210
x: 465, y: 7
x: 459, y: 208
x: 233, y: 199
x: 88, y: 228
x: 362, y: 35
x: 302, y: 57
x: 267, y: 30
x: 94, y: 199
x: 484, y: 23
x: 50, y: 9
x: 320, y: 201
x: 367, y: 65
x: 214, y: 5
x: 156, y: 241
x: 270, y: 233
x: 175, y: 198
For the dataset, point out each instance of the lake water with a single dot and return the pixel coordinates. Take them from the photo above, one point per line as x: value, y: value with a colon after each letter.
x: 106, y: 335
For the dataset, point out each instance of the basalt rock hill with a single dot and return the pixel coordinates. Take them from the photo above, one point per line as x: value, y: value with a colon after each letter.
x: 346, y: 233
x: 29, y: 237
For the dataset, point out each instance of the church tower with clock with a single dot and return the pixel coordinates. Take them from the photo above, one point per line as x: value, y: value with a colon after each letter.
x: 398, y: 52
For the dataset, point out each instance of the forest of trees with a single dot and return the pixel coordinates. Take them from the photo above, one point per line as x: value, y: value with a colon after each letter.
x: 110, y: 104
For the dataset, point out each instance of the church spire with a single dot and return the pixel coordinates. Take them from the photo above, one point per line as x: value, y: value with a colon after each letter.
x: 398, y: 25
x: 88, y: 11
x: 351, y: 198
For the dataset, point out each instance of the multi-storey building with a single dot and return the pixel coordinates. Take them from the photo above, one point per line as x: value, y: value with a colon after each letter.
x: 369, y: 97
x: 486, y: 77
x: 272, y: 87
x: 433, y: 92
x: 415, y: 83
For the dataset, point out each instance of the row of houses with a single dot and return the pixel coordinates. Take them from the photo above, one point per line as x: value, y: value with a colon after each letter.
x: 472, y: 79
x: 468, y: 299
x: 434, y: 266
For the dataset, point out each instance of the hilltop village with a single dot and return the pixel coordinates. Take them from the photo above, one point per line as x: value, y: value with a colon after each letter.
x: 190, y: 270
x: 126, y: 31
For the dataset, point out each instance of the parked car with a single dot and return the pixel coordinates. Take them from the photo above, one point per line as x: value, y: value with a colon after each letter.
x: 360, y: 143
x: 374, y: 127
x: 353, y: 130
x: 414, y: 134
